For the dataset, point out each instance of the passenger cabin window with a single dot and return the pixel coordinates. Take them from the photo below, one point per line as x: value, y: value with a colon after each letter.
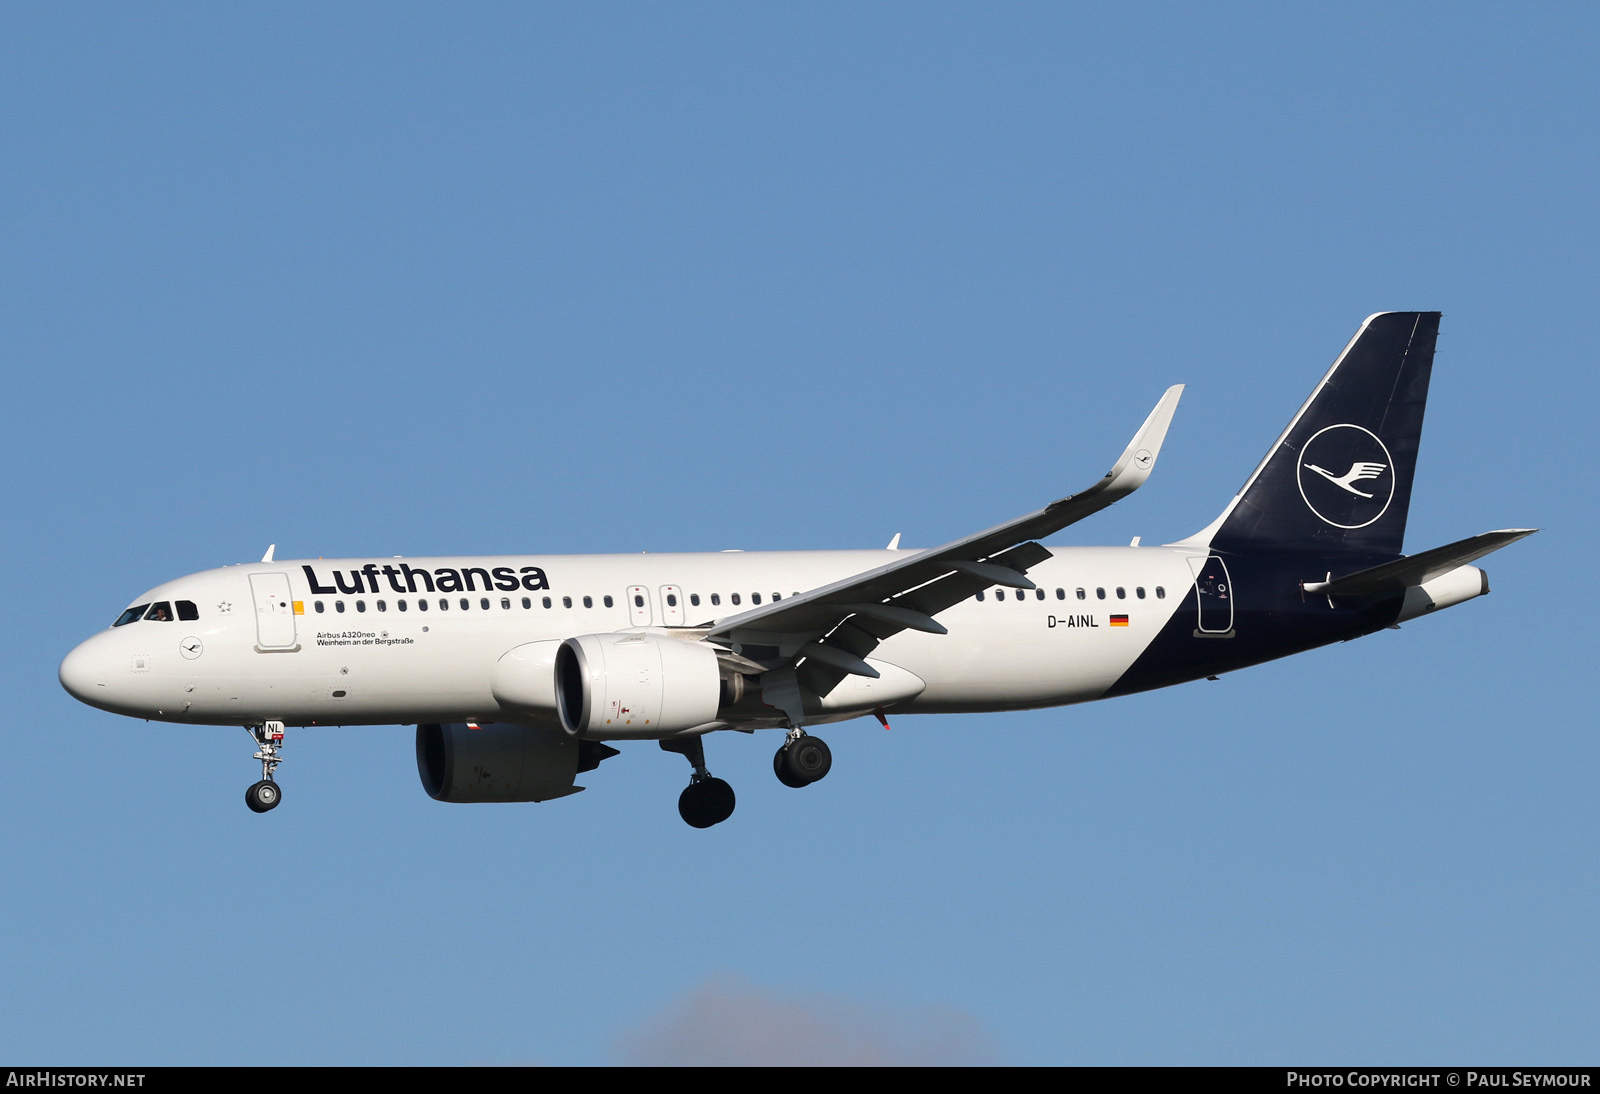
x: 383, y: 606
x: 1061, y: 594
x: 755, y: 598
x: 588, y: 602
x: 1139, y: 592
x: 980, y: 594
x: 1122, y: 594
x: 608, y: 602
x: 546, y: 601
x: 134, y: 613
x: 1161, y: 592
x: 1021, y: 594
x: 318, y: 606
x: 1100, y: 593
x: 734, y: 598
x: 694, y: 598
x: 1082, y: 595
x: 422, y: 605
x: 361, y: 605
x: 566, y: 602
x: 400, y: 604
x: 716, y: 598
x: 338, y: 606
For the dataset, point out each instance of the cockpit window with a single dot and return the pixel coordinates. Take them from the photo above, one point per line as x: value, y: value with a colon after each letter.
x: 187, y: 610
x: 135, y: 612
x: 160, y: 611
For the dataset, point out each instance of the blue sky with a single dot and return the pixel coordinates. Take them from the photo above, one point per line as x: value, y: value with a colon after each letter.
x: 399, y: 279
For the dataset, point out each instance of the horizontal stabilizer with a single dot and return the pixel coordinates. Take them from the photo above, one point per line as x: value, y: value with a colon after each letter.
x: 1420, y: 568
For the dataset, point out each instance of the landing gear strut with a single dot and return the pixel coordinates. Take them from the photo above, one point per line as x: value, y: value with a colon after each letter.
x: 802, y: 760
x: 706, y: 800
x: 265, y: 794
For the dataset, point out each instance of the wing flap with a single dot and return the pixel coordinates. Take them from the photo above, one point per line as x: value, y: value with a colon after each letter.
x: 862, y: 632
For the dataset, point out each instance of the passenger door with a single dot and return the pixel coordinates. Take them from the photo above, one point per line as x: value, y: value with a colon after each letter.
x: 1214, y: 591
x: 274, y: 604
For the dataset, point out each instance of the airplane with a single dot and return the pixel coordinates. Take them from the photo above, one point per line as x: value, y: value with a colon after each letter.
x: 520, y: 672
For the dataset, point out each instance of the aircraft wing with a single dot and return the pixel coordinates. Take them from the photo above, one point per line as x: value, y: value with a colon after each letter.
x: 832, y: 628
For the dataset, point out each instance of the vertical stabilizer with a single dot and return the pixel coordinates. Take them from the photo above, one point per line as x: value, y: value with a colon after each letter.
x: 1339, y: 479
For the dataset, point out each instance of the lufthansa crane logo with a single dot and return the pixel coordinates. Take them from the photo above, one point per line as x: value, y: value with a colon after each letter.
x: 1346, y: 476
x: 1357, y: 472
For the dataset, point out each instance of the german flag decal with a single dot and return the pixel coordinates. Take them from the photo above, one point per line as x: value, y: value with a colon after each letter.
x: 1119, y: 621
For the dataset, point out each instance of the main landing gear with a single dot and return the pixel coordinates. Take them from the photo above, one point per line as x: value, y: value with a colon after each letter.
x: 802, y: 760
x: 706, y: 800
x: 265, y: 794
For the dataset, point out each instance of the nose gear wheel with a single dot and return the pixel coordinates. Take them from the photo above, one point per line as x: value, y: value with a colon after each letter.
x: 263, y: 796
x: 266, y: 794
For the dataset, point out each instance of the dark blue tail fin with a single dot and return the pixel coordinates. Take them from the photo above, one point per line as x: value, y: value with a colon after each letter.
x: 1339, y: 479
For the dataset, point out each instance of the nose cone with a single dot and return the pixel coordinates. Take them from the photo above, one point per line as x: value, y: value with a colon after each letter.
x: 84, y: 675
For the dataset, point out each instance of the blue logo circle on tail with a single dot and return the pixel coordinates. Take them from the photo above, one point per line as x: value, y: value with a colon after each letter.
x: 1346, y: 476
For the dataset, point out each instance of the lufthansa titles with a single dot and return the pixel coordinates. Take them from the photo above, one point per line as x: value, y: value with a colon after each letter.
x: 416, y: 579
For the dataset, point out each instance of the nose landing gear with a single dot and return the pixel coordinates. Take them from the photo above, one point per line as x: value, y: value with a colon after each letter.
x: 266, y: 794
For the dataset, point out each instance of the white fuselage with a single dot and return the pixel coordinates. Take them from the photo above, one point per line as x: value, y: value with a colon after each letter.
x: 269, y: 640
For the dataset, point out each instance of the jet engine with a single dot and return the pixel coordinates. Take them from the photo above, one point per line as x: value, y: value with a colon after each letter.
x: 635, y: 685
x: 1445, y: 591
x: 501, y: 762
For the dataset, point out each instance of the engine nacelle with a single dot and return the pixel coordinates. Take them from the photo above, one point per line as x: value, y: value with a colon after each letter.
x: 1445, y: 591
x: 501, y: 762
x: 524, y: 682
x: 635, y: 685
